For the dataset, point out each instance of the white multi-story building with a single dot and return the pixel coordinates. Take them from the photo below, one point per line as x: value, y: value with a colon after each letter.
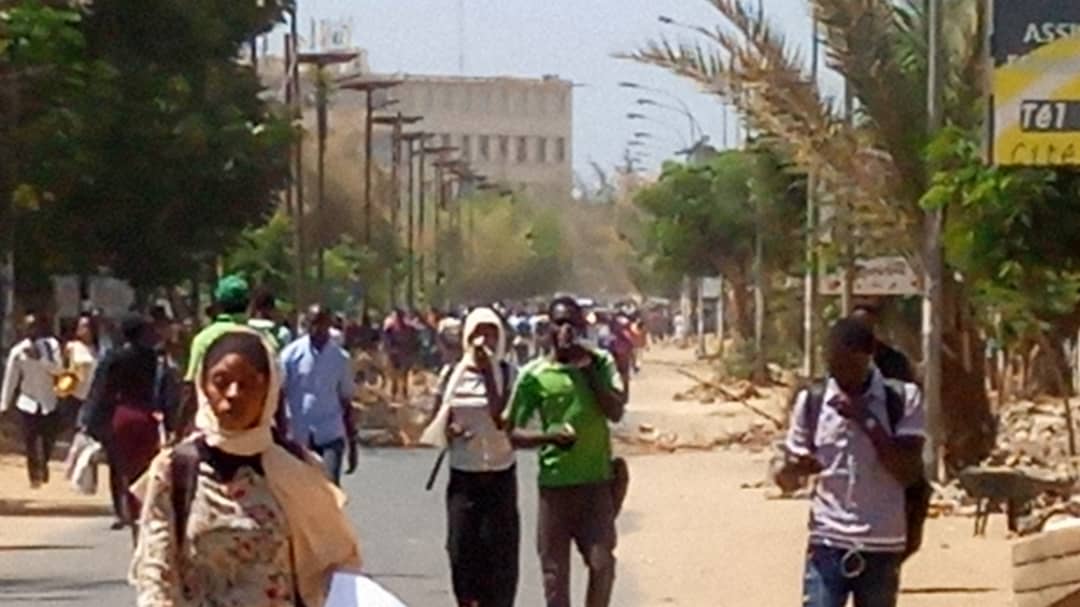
x: 516, y: 131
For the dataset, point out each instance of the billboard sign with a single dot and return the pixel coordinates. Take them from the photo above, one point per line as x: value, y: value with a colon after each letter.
x: 877, y: 276
x: 1035, y: 104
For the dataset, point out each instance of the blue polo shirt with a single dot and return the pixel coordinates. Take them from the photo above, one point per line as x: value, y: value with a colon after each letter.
x: 315, y: 382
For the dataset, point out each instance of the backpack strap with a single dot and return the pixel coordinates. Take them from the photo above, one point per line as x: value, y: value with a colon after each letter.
x: 184, y: 469
x: 895, y: 397
x: 815, y: 399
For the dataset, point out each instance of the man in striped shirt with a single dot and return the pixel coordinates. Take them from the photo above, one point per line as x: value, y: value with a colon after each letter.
x: 846, y: 435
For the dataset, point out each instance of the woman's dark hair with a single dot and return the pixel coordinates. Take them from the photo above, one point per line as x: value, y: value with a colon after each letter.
x: 95, y: 337
x: 248, y: 345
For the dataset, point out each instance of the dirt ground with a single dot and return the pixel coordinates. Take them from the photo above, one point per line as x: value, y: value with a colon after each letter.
x: 693, y: 536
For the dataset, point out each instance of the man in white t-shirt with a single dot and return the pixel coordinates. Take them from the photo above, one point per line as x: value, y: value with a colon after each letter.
x: 32, y: 365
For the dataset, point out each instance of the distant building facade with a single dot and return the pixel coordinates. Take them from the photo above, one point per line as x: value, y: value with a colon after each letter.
x: 516, y: 131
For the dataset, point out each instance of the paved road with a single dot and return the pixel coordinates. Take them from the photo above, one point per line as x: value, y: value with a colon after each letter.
x: 402, y: 527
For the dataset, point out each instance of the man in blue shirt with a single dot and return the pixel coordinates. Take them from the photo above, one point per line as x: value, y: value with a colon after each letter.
x: 318, y: 386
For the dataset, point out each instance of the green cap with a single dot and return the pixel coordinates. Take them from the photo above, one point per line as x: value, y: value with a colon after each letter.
x: 232, y: 292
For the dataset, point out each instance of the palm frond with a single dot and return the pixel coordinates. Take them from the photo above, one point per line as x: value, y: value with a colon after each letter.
x: 753, y: 67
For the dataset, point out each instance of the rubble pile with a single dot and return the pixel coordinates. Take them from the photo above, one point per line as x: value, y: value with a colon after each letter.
x: 1033, y: 434
x: 382, y: 422
x: 1033, y: 448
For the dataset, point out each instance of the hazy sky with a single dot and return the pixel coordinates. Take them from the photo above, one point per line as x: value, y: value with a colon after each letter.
x: 572, y: 38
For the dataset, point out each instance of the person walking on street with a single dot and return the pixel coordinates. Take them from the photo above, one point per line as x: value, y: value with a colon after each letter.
x: 484, y: 528
x: 401, y: 341
x: 32, y: 366
x: 81, y: 357
x: 892, y: 363
x: 319, y: 386
x: 575, y: 392
x: 234, y: 515
x: 265, y: 318
x: 863, y: 436
x: 231, y: 297
x: 123, y: 413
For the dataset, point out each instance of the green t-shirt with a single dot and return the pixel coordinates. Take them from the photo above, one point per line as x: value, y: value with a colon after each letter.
x: 201, y: 342
x: 560, y: 394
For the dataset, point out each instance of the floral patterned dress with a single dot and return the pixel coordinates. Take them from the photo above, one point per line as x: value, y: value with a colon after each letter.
x: 236, y: 551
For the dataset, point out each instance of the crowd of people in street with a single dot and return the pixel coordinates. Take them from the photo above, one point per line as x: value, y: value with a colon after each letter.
x: 228, y: 476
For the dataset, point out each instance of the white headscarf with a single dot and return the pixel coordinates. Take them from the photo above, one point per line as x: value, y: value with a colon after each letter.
x: 323, y: 540
x: 435, y: 433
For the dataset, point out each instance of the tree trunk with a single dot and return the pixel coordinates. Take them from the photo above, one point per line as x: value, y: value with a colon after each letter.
x: 968, y: 422
x: 742, y: 321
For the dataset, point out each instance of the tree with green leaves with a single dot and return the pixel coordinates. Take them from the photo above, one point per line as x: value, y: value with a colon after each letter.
x: 878, y: 154
x: 159, y: 155
x: 704, y: 219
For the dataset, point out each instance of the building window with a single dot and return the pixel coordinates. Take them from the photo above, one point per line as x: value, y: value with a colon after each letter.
x: 560, y: 150
x: 523, y: 150
x: 504, y: 148
x: 541, y: 150
x: 466, y: 147
x: 445, y: 140
x: 485, y: 147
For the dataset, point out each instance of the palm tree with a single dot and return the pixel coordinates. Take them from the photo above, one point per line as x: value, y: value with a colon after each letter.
x: 880, y: 48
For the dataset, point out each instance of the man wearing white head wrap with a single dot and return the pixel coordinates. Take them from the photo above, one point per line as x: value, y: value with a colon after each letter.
x: 481, y: 502
x: 262, y: 527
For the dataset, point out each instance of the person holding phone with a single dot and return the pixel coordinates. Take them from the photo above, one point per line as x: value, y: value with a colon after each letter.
x: 575, y: 391
x: 863, y: 436
x: 483, y: 524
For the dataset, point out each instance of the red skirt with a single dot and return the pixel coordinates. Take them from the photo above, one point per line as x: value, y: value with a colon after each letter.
x: 135, y: 439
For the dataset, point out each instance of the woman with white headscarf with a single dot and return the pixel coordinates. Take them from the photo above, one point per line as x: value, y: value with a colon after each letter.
x: 481, y: 500
x: 232, y: 516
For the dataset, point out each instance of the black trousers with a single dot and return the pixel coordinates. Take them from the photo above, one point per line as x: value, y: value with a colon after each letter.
x: 39, y: 437
x: 484, y: 537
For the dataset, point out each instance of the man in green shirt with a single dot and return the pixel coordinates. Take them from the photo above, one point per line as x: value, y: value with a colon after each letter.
x: 575, y: 392
x: 231, y: 296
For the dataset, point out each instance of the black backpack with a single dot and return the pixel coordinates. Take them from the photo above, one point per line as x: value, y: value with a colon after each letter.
x: 917, y: 496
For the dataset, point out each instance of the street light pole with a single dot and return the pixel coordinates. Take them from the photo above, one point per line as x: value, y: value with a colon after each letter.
x: 811, y: 280
x: 322, y: 94
x: 368, y: 87
x: 410, y: 287
x: 934, y: 302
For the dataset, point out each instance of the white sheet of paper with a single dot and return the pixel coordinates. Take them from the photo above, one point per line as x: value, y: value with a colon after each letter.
x: 352, y: 590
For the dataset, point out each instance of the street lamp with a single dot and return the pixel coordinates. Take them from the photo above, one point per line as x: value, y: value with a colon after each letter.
x: 368, y: 87
x: 695, y: 127
x: 410, y: 139
x: 322, y: 97
x: 396, y: 121
x: 644, y: 117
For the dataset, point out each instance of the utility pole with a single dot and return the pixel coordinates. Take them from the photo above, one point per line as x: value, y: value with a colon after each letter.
x: 368, y: 87
x: 410, y: 243
x: 934, y: 301
x: 847, y: 224
x: 292, y: 66
x: 438, y: 153
x: 322, y: 98
x: 811, y: 286
x: 396, y: 121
